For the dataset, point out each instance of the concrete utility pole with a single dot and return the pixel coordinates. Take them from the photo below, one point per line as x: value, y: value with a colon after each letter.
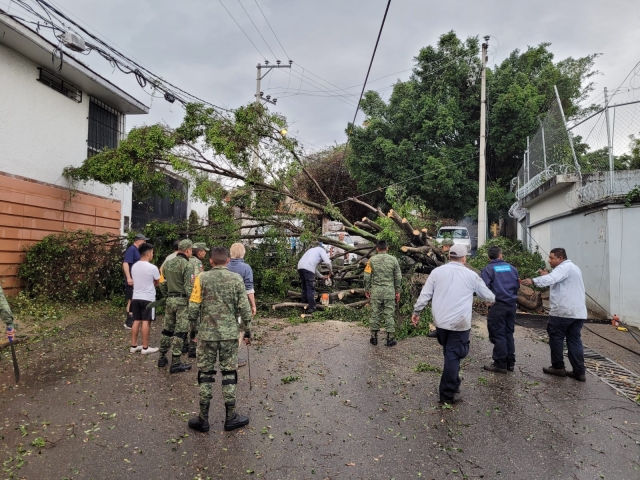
x: 260, y: 95
x: 482, y: 202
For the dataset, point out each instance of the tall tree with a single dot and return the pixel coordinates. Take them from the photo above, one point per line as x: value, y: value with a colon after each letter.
x: 426, y: 134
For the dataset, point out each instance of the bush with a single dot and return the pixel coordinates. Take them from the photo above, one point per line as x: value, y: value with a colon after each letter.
x: 274, y: 266
x: 513, y: 252
x: 74, y: 266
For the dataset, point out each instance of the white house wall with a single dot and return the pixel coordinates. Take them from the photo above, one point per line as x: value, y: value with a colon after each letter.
x: 43, y: 131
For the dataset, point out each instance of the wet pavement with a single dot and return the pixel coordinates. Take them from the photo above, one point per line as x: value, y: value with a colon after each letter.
x: 86, y: 408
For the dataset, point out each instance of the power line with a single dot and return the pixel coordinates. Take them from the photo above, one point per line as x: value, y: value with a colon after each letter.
x: 258, y: 30
x: 274, y: 33
x: 245, y: 33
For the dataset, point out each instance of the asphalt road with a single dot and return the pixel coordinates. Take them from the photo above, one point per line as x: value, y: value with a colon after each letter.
x: 87, y: 409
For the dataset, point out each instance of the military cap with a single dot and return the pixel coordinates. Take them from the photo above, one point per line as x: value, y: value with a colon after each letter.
x: 185, y: 244
x: 201, y: 246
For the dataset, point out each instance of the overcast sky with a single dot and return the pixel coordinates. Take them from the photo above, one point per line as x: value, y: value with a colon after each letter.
x: 196, y: 45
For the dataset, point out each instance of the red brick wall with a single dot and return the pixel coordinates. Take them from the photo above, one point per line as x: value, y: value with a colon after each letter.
x: 30, y: 210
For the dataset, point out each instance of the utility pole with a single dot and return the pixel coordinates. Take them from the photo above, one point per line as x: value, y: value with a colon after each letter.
x: 260, y: 95
x: 482, y: 203
x: 609, y: 140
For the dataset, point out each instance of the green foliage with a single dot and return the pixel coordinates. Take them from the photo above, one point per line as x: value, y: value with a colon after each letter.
x: 73, y: 266
x: 289, y: 379
x: 39, y: 308
x: 527, y: 263
x: 274, y: 266
x: 633, y: 196
x: 426, y: 367
x: 425, y: 135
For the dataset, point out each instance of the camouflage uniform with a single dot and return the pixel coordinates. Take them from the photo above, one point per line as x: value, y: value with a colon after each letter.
x: 382, y: 278
x: 198, y: 268
x: 5, y: 311
x: 219, y: 298
x: 176, y: 284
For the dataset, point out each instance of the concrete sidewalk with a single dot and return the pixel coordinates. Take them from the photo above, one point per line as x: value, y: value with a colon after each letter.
x: 350, y: 411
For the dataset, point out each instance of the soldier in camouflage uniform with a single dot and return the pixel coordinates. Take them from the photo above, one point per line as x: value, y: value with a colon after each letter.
x: 198, y: 253
x: 176, y: 284
x: 219, y: 299
x: 382, y: 280
x: 6, y: 315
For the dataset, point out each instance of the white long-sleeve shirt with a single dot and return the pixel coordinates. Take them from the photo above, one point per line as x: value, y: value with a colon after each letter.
x: 567, y: 296
x: 450, y: 289
x: 312, y: 258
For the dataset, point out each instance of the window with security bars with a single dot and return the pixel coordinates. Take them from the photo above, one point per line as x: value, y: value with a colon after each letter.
x: 105, y: 127
x: 56, y: 83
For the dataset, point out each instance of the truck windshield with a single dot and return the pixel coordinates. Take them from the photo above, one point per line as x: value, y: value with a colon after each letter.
x: 454, y: 232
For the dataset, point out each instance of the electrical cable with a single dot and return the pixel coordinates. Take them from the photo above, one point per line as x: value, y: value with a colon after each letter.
x: 245, y: 33
x: 615, y: 343
x: 274, y: 33
x: 258, y: 30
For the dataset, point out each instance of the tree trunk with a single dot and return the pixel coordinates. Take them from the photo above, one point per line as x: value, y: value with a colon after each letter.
x: 278, y: 306
x: 372, y: 224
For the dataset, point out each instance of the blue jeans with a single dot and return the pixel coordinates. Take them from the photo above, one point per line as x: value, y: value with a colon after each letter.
x: 501, y: 322
x: 560, y: 328
x: 455, y: 346
x: 308, y: 280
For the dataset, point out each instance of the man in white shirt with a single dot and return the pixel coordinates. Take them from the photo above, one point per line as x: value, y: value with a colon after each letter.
x: 450, y: 289
x: 307, y: 271
x: 145, y: 279
x: 567, y: 313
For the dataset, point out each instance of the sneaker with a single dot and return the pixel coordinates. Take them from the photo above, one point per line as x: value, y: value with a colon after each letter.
x: 577, y: 376
x: 135, y: 349
x: 450, y: 401
x: 510, y: 367
x: 147, y: 351
x: 241, y: 362
x: 432, y: 334
x: 492, y: 367
x: 558, y: 372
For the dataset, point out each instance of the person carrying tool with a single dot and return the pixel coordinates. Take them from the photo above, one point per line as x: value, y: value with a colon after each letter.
x: 382, y: 283
x: 450, y: 289
x: 176, y: 283
x: 7, y: 316
x: 307, y: 267
x: 502, y: 279
x: 567, y: 313
x: 218, y: 299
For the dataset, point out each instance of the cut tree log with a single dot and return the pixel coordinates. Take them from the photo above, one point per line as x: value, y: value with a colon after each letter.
x: 529, y: 298
x: 372, y: 224
x: 355, y: 292
x: 357, y: 304
x: 404, y: 226
x: 424, y: 236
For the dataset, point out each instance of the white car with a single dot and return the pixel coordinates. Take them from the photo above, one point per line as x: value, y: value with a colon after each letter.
x: 352, y: 257
x: 459, y: 235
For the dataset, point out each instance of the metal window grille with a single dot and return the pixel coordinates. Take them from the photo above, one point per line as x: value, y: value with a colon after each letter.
x: 106, y: 127
x: 56, y: 83
x: 163, y: 209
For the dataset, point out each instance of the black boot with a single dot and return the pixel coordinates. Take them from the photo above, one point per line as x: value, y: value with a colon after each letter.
x: 185, y: 347
x: 162, y: 361
x: 177, y: 366
x: 432, y: 334
x: 390, y: 340
x: 374, y: 337
x: 192, y: 352
x: 234, y: 420
x: 201, y: 422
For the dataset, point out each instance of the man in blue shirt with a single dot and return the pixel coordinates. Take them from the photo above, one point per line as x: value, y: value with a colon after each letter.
x: 131, y: 256
x: 237, y: 265
x: 502, y: 280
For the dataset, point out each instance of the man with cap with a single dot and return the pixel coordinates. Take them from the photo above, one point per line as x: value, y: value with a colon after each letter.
x: 219, y: 298
x: 450, y: 289
x: 382, y: 282
x: 131, y: 256
x: 307, y: 270
x: 176, y: 283
x: 447, y: 243
x: 198, y: 253
x: 502, y: 279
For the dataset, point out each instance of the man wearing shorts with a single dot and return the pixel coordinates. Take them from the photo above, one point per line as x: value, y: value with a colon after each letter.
x: 131, y: 256
x: 145, y: 279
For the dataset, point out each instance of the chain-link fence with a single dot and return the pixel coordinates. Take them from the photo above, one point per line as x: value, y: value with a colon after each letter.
x: 602, y: 149
x: 608, y: 146
x: 549, y: 153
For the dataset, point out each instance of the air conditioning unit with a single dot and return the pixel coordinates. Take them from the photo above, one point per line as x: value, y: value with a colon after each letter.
x: 73, y: 41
